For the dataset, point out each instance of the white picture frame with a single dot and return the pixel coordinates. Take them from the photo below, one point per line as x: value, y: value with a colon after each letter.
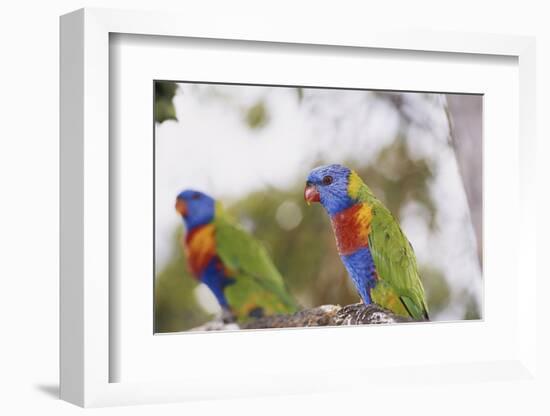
x: 86, y: 355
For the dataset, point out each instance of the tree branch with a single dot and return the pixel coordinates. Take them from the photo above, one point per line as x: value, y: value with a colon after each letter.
x: 326, y: 315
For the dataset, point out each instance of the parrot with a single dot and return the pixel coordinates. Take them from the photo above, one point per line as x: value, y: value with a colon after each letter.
x: 374, y: 250
x: 229, y: 261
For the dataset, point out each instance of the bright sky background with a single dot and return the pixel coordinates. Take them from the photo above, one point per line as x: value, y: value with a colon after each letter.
x: 212, y: 149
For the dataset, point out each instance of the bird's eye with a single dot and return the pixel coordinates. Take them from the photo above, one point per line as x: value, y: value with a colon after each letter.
x: 327, y: 180
x: 196, y: 196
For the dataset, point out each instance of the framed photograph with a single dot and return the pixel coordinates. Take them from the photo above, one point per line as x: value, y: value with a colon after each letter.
x: 242, y: 249
x: 276, y: 199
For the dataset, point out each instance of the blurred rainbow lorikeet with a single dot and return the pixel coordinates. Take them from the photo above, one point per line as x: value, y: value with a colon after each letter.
x: 377, y: 255
x: 234, y: 266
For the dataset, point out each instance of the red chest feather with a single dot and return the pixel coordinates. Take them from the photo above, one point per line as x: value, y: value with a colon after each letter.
x: 200, y: 247
x: 351, y: 228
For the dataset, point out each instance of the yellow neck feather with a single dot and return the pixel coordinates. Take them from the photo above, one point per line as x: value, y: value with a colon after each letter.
x: 354, y: 184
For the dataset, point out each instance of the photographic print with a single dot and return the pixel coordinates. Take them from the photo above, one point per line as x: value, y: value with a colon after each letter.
x: 290, y: 206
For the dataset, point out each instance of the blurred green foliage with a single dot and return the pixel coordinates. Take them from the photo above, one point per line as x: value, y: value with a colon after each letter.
x: 472, y: 309
x: 256, y: 116
x: 438, y: 292
x: 164, y: 106
x: 300, y: 94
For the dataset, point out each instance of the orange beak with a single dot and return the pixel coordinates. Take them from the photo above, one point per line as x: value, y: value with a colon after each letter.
x: 311, y: 194
x: 181, y: 207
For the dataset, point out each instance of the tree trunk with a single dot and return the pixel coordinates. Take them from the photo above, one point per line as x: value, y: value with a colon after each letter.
x: 466, y: 113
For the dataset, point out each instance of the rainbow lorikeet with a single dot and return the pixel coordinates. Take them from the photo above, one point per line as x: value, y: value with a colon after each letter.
x: 377, y: 255
x: 234, y: 266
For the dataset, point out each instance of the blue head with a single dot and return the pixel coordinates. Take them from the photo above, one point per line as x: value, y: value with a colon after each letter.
x: 329, y: 185
x: 196, y: 208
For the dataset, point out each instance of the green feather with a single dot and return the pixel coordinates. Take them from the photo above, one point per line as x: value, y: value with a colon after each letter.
x: 394, y: 260
x: 258, y: 284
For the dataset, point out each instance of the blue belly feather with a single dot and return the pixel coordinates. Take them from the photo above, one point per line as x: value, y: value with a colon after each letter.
x: 362, y: 270
x: 214, y: 277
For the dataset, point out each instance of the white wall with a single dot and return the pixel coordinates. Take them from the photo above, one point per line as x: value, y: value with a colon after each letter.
x: 29, y: 190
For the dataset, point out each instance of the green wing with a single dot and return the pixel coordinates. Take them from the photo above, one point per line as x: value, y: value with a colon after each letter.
x: 259, y: 288
x: 396, y: 266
